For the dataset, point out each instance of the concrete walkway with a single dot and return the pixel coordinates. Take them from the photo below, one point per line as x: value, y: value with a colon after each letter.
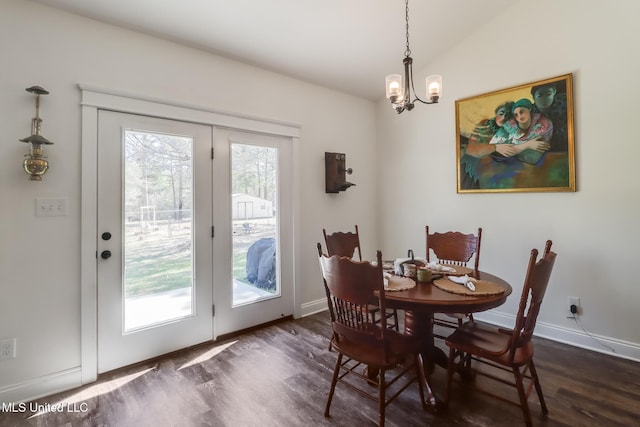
x: 161, y: 307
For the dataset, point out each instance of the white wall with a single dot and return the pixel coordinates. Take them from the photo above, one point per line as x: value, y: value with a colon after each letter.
x: 40, y: 257
x: 595, y: 230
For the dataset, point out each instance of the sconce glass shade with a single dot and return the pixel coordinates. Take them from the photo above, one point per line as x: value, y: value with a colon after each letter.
x: 434, y: 88
x: 395, y: 88
x: 36, y: 163
x: 35, y: 167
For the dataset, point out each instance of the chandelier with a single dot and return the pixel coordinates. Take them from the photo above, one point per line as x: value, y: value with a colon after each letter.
x: 399, y: 91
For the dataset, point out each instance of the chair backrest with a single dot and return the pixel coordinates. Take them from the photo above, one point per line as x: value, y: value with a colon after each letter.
x: 343, y: 243
x: 454, y: 247
x: 535, y: 286
x: 351, y: 288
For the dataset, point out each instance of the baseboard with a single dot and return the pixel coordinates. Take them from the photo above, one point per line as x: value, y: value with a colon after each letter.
x: 313, y: 307
x: 573, y: 337
x: 41, y: 386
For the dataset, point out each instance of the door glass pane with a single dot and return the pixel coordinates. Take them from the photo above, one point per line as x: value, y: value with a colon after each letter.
x: 254, y: 213
x: 158, y: 224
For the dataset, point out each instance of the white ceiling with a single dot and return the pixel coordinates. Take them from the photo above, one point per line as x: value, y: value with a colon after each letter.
x: 348, y: 45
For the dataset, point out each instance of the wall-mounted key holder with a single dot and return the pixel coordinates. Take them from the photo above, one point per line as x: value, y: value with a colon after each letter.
x: 335, y: 172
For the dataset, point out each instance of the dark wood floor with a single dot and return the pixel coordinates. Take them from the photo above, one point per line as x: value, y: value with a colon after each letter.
x: 279, y: 376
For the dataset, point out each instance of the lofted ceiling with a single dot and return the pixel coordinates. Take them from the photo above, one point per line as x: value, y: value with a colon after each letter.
x: 346, y: 45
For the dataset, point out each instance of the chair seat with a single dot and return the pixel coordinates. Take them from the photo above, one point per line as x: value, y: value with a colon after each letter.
x: 490, y: 343
x: 399, y: 346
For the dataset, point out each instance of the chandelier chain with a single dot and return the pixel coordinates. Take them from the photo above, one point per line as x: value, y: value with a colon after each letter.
x: 408, y: 51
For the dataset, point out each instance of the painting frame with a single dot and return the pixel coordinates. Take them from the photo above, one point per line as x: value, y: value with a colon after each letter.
x: 500, y: 148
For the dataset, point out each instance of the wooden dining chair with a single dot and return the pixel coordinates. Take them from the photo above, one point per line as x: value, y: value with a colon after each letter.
x: 476, y: 346
x: 350, y: 286
x: 456, y: 248
x: 348, y: 244
x: 343, y: 243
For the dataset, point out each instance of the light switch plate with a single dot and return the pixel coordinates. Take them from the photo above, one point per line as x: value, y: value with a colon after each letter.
x: 8, y: 349
x: 51, y: 206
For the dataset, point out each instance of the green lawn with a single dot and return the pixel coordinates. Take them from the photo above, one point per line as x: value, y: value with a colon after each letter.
x: 159, y: 260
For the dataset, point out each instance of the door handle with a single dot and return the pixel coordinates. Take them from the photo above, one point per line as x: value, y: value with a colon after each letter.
x: 105, y: 254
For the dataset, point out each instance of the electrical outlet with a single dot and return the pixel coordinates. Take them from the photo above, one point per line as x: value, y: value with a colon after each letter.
x: 8, y: 349
x: 571, y: 302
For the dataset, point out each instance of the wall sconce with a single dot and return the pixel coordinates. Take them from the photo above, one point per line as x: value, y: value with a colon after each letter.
x: 36, y: 163
x: 335, y: 173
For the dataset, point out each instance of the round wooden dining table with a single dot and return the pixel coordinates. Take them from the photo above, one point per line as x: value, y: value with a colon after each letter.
x: 422, y: 301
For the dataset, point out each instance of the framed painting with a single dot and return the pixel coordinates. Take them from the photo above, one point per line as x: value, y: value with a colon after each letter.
x: 518, y: 139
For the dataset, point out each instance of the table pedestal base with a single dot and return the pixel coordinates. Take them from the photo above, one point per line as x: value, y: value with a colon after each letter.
x: 421, y: 324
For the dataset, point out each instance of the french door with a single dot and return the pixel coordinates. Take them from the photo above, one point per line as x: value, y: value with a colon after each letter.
x: 185, y: 235
x: 253, y: 252
x: 154, y: 237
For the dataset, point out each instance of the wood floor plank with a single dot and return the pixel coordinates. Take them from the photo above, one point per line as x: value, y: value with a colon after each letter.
x: 280, y: 376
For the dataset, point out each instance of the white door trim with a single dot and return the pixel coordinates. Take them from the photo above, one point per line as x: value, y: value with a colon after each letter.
x: 94, y: 99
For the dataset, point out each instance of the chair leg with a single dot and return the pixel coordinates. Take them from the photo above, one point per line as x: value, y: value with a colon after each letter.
x: 395, y: 320
x: 393, y: 315
x: 334, y: 381
x: 420, y: 377
x: 468, y: 317
x: 522, y: 395
x: 450, y: 370
x: 382, y: 401
x: 373, y: 317
x: 536, y: 381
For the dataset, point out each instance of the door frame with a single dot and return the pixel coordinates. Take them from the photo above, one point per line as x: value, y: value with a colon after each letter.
x: 94, y: 99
